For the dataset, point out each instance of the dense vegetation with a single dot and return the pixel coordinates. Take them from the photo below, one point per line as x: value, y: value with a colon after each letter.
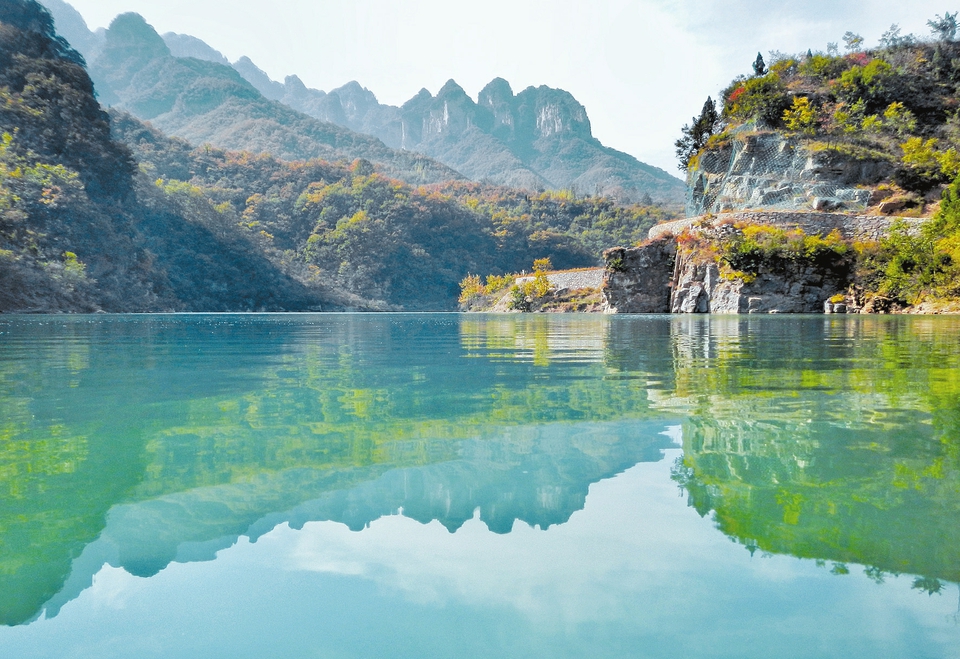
x: 79, y: 228
x: 897, y: 102
x: 895, y: 105
x: 377, y: 238
x: 743, y: 250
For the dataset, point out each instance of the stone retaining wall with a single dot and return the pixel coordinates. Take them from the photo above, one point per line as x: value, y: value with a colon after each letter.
x: 575, y: 279
x: 855, y: 227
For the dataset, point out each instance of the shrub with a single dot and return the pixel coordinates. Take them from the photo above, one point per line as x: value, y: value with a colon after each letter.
x: 801, y: 117
x: 471, y: 288
x: 824, y: 67
x: 755, y: 246
x: 763, y: 99
x: 518, y: 299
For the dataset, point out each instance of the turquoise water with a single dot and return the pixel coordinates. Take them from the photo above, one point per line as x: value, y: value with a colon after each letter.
x: 443, y: 485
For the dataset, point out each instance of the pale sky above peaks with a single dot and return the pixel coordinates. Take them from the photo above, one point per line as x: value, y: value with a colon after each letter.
x: 642, y: 68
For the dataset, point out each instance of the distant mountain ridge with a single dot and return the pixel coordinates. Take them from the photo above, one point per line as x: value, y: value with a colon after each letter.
x: 539, y: 138
x: 207, y: 102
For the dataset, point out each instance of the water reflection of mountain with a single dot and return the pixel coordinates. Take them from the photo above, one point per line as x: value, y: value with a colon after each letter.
x: 143, y: 441
x: 538, y: 475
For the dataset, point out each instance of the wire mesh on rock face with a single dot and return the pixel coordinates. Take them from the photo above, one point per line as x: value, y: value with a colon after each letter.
x: 765, y: 171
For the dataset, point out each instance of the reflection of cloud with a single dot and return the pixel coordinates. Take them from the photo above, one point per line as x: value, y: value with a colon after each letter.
x: 635, y: 573
x: 114, y: 587
x: 586, y: 569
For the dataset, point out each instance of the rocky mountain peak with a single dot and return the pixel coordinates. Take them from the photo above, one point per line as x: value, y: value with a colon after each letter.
x: 130, y: 37
x: 183, y: 45
x: 294, y: 85
x: 496, y: 92
x: 498, y: 98
x: 356, y: 100
x: 451, y: 89
x: 258, y: 78
x: 545, y: 111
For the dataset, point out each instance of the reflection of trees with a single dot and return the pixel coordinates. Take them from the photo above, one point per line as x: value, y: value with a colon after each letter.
x: 836, y: 440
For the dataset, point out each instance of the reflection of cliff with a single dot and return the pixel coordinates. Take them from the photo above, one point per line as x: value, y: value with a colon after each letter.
x: 855, y: 458
x: 795, y: 490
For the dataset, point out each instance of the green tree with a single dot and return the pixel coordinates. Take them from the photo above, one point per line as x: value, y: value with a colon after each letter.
x: 696, y: 133
x: 944, y: 28
x: 759, y: 66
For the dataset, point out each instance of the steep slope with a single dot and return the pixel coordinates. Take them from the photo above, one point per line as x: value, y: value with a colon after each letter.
x: 80, y: 229
x: 70, y: 25
x: 205, y: 101
x: 539, y: 138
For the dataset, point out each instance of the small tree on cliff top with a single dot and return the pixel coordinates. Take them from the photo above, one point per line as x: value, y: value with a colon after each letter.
x: 944, y: 28
x: 696, y: 133
x: 759, y: 66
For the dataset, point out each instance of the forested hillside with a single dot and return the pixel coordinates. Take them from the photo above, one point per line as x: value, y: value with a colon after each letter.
x: 102, y: 212
x: 79, y: 229
x: 378, y: 238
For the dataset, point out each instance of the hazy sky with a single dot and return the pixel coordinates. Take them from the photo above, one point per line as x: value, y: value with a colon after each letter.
x: 642, y: 68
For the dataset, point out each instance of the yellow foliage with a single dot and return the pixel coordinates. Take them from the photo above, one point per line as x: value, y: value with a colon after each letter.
x: 542, y: 265
x: 802, y: 116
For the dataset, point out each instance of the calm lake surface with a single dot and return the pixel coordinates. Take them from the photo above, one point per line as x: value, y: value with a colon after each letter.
x: 444, y: 485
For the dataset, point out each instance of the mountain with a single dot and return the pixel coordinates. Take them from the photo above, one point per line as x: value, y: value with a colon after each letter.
x: 104, y: 212
x: 71, y: 26
x: 203, y: 100
x: 183, y: 45
x: 539, y: 138
x: 536, y: 139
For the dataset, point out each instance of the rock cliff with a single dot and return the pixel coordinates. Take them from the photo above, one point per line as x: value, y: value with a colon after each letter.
x: 764, y: 170
x: 782, y: 288
x: 639, y: 279
x: 657, y: 277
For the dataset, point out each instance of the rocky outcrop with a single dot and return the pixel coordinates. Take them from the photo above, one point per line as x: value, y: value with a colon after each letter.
x: 639, y: 279
x: 783, y: 287
x: 758, y: 170
x: 658, y: 278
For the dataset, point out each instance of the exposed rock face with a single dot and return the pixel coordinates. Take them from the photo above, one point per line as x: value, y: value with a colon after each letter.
x: 655, y: 278
x: 766, y: 170
x: 638, y: 279
x: 782, y: 288
x: 850, y: 227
